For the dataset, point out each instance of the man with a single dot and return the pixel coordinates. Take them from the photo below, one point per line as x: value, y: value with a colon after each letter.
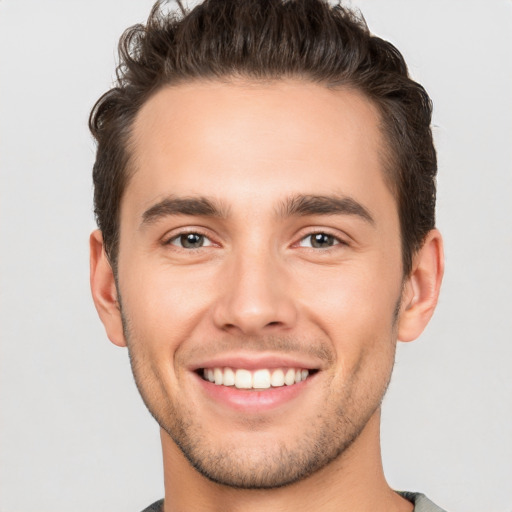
x: 265, y: 193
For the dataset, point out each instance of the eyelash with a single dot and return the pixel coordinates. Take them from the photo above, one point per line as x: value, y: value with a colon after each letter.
x: 335, y: 240
x: 180, y: 236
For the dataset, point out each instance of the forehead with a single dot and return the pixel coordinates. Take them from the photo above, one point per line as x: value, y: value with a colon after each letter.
x: 263, y: 139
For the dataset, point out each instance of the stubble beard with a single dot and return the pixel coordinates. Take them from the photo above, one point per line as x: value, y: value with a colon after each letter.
x: 324, y: 439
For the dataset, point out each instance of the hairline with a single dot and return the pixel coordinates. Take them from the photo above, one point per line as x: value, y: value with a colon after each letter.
x: 386, y: 151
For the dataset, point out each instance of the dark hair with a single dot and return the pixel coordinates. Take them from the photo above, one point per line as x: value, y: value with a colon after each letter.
x: 268, y: 40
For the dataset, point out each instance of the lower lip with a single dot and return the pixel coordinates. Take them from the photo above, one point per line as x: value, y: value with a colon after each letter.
x: 253, y: 400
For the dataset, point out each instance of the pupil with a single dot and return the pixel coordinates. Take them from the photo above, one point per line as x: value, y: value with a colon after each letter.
x: 321, y: 240
x: 192, y: 240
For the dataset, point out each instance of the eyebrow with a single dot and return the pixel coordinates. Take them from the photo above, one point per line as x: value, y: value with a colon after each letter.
x: 198, y: 206
x: 302, y: 205
x: 299, y: 205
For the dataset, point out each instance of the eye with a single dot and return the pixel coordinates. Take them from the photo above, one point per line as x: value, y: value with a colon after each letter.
x: 190, y: 241
x: 319, y: 241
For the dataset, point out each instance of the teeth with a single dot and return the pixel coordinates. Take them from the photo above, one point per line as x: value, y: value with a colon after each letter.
x: 261, y: 379
x: 258, y: 379
x: 243, y: 379
x: 277, y: 379
x: 289, y: 378
x: 229, y: 377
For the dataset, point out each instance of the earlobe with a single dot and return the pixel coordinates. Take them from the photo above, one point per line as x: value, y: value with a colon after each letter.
x: 421, y: 290
x: 104, y: 292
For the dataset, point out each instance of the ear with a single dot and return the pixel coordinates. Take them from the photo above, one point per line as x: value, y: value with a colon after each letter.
x: 104, y: 292
x: 421, y: 289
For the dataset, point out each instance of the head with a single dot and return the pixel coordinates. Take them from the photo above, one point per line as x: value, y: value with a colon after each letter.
x: 264, y: 188
x: 266, y: 41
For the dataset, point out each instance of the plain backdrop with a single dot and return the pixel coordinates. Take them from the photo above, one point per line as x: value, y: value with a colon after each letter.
x: 74, y: 434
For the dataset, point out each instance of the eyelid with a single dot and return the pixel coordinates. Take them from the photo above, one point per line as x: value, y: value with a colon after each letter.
x: 336, y: 242
x: 340, y: 238
x: 310, y: 244
x: 175, y: 234
x: 206, y: 241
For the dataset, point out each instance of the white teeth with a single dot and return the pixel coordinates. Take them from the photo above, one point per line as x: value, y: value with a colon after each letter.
x: 217, y: 375
x: 277, y: 379
x: 261, y: 379
x: 229, y: 377
x: 257, y: 379
x: 289, y: 378
x: 243, y: 379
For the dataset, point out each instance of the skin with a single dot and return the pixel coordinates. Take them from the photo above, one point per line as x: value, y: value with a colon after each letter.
x: 258, y: 288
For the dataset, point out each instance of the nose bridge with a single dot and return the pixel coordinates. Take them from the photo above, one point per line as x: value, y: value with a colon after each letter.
x: 256, y: 295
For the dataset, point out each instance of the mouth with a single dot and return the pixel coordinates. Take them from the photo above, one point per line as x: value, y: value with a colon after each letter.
x: 257, y: 379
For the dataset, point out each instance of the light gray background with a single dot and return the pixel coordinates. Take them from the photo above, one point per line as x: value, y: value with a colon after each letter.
x: 74, y: 434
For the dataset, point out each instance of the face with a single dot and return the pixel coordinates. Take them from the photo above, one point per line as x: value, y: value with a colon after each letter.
x: 259, y: 274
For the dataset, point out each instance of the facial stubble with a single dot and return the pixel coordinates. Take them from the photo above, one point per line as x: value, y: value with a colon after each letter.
x: 326, y: 437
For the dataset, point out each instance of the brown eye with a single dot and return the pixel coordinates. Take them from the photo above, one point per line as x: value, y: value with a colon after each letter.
x: 322, y: 240
x: 190, y: 241
x: 319, y: 241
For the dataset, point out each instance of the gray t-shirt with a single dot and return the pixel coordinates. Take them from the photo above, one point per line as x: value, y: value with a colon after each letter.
x: 421, y: 503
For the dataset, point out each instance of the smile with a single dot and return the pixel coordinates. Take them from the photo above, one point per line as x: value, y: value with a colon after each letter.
x: 254, y: 379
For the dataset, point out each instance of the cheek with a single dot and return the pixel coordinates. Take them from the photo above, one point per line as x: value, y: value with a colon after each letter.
x: 355, y: 306
x: 164, y: 304
x: 357, y: 293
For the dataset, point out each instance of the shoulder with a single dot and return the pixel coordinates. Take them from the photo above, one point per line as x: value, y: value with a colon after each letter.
x: 421, y: 502
x: 158, y: 506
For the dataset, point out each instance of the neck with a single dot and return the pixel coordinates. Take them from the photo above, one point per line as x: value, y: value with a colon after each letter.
x: 353, y: 481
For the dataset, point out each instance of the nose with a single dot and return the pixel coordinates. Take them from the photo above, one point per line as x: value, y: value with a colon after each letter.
x: 256, y: 296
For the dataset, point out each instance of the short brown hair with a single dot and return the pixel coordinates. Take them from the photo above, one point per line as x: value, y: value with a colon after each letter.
x: 268, y: 40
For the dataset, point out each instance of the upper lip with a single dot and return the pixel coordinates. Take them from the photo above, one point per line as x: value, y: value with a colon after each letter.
x: 255, y: 361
